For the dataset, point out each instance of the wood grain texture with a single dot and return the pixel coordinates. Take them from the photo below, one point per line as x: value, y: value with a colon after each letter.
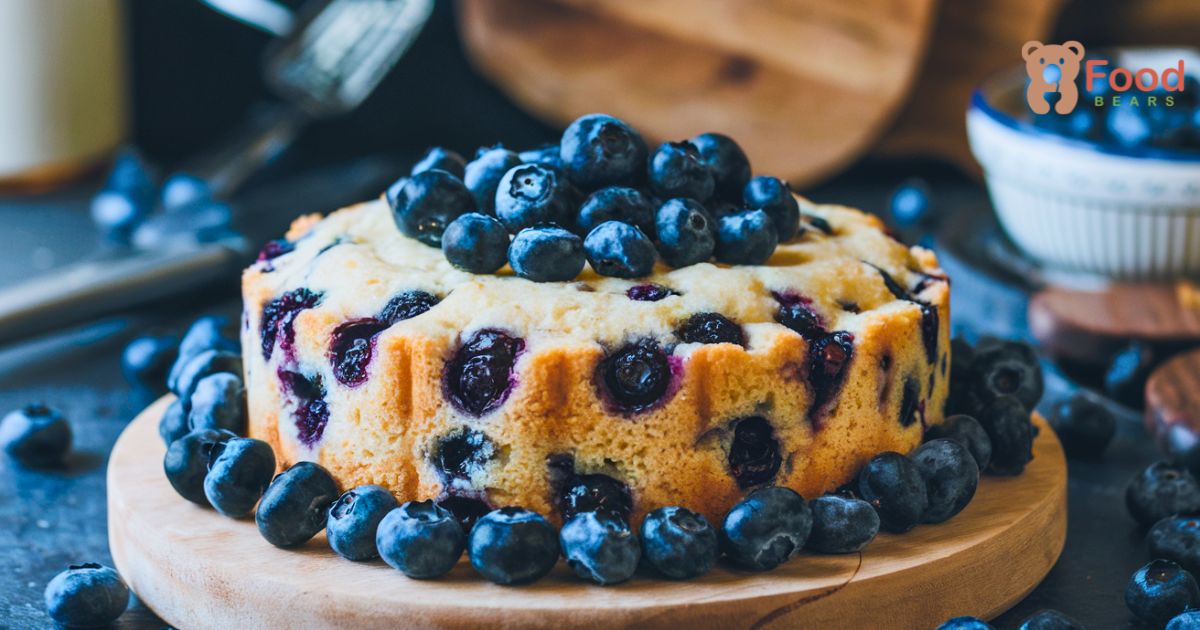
x: 197, y: 569
x: 805, y: 86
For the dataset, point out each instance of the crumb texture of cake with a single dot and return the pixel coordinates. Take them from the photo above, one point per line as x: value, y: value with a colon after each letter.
x: 365, y: 351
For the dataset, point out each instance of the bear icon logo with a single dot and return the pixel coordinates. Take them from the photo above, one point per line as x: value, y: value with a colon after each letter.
x: 1052, y: 68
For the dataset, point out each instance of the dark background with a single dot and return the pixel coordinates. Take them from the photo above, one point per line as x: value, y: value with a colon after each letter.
x: 195, y: 74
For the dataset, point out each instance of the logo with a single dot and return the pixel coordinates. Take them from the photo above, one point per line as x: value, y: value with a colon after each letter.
x: 1053, y: 69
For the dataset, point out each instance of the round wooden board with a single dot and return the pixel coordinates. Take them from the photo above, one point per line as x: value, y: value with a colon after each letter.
x: 197, y: 569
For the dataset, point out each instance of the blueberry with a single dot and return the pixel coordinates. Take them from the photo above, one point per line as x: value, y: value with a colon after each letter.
x: 1007, y: 423
x: 910, y: 203
x: 678, y: 542
x: 203, y: 365
x: 599, y: 150
x: 951, y: 476
x: 204, y: 221
x: 767, y: 528
x: 186, y: 462
x: 181, y: 190
x: 754, y: 457
x: 1161, y: 590
x: 710, y: 328
x: 1084, y: 426
x: 649, y: 293
x: 829, y: 358
x: 774, y: 197
x: 483, y: 174
x: 219, y: 402
x: 476, y: 243
x: 427, y: 202
x: 310, y: 411
x: 600, y: 547
x: 893, y: 485
x: 546, y: 254
x: 1006, y: 368
x: 796, y: 313
x: 86, y: 596
x: 354, y: 519
x: 726, y: 160
x: 147, y: 360
x: 238, y: 473
x: 174, y: 423
x: 686, y: 235
x: 407, y: 305
x: 1176, y: 538
x: 593, y: 493
x: 513, y: 545
x: 746, y: 238
x: 530, y: 195
x: 841, y: 524
x: 206, y: 333
x: 127, y: 196
x: 1050, y: 620
x: 420, y: 539
x: 966, y: 431
x: 619, y: 250
x: 480, y: 376
x: 466, y: 510
x: 35, y: 436
x: 1125, y: 378
x: 1186, y: 620
x: 1163, y: 489
x: 460, y: 455
x: 351, y: 347
x: 676, y: 170
x: 616, y: 203
x: 295, y: 505
x: 279, y: 318
x: 636, y: 376
x: 441, y: 159
x: 965, y: 623
x: 546, y: 155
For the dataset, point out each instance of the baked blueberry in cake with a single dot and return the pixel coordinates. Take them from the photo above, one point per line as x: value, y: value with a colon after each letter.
x: 668, y: 331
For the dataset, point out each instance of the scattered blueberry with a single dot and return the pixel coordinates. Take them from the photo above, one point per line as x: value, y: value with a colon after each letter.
x: 354, y: 519
x: 1050, y: 620
x: 951, y: 476
x: 427, y: 202
x: 35, y: 436
x: 279, y: 318
x: 1125, y: 378
x: 174, y: 423
x: 1176, y: 538
x: 767, y: 528
x: 459, y: 455
x: 841, y: 524
x: 965, y: 623
x: 676, y: 170
x: 910, y: 203
x: 147, y: 360
x: 420, y: 539
x: 1007, y: 423
x: 774, y: 197
x: 204, y: 221
x: 239, y: 470
x: 616, y: 203
x: 649, y: 293
x: 600, y: 547
x: 1186, y: 620
x: 86, y: 596
x: 1084, y: 425
x: 893, y: 485
x: 186, y: 462
x: 351, y: 347
x: 206, y: 333
x: 678, y: 542
x: 483, y: 174
x: 1006, y: 368
x: 480, y: 376
x: 546, y: 254
x: 530, y: 195
x: 1161, y: 590
x: 636, y: 376
x: 127, y: 196
x: 476, y: 243
x: 441, y: 159
x: 1163, y: 489
x: 219, y: 402
x: 182, y: 190
x: 513, y: 545
x: 727, y: 161
x: 754, y: 456
x: 599, y: 150
x: 593, y: 493
x: 746, y: 238
x: 710, y: 328
x: 203, y: 365
x: 619, y: 250
x: 294, y: 507
x: 686, y: 234
x: 966, y: 431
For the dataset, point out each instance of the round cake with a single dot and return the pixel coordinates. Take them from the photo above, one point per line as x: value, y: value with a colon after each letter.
x: 367, y: 352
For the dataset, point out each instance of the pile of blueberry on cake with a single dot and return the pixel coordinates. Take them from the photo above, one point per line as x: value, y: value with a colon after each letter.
x: 601, y: 338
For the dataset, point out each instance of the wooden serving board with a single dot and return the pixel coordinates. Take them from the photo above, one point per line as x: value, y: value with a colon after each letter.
x: 197, y: 569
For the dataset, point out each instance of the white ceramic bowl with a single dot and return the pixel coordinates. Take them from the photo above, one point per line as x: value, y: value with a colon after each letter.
x: 1081, y: 206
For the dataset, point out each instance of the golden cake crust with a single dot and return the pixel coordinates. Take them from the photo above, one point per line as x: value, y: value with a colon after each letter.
x: 386, y: 430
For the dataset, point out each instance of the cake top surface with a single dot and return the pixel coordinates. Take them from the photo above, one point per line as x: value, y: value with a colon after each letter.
x: 357, y: 260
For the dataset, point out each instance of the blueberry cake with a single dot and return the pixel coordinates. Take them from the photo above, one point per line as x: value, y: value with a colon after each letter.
x: 366, y: 351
